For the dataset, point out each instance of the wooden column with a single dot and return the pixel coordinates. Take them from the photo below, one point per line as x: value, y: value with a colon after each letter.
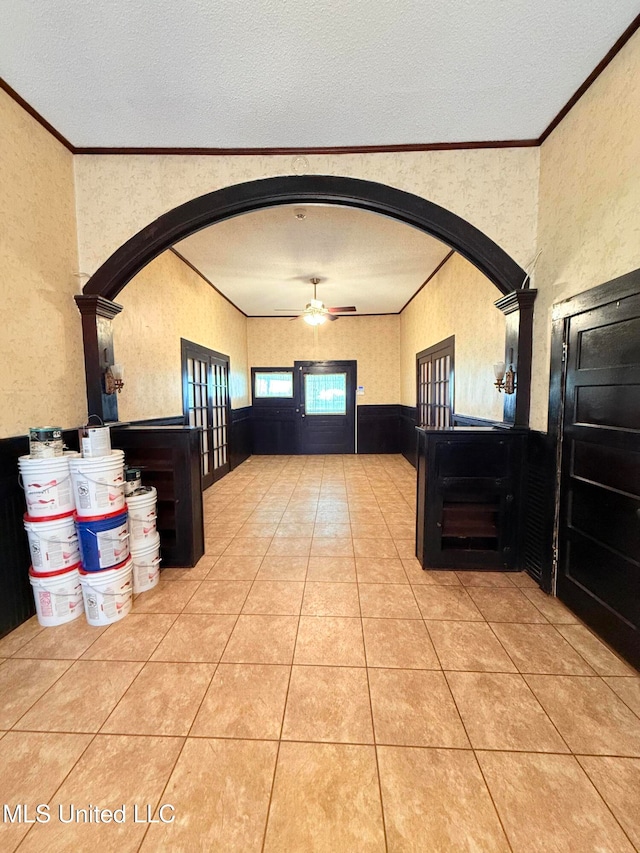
x: 97, y: 334
x: 517, y: 306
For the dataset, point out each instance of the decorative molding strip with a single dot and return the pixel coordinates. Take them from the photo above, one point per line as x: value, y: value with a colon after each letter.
x: 428, y: 279
x: 36, y: 115
x: 204, y: 278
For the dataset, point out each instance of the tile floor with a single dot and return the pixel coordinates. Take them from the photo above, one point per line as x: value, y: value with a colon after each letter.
x: 307, y: 687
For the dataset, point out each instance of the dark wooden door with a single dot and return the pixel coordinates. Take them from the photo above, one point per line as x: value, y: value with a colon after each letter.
x: 599, y: 513
x: 434, y: 376
x: 206, y: 403
x: 325, y: 406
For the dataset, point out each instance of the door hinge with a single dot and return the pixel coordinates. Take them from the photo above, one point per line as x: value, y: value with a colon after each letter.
x: 565, y: 347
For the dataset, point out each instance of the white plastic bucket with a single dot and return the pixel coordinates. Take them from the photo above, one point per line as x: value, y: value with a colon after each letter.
x: 98, y: 484
x: 53, y: 542
x: 142, y: 517
x: 47, y: 485
x: 58, y: 596
x: 146, y: 565
x: 103, y: 540
x: 108, y: 595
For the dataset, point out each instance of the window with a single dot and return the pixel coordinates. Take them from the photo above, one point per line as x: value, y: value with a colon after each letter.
x: 435, y: 384
x: 325, y: 394
x: 272, y: 384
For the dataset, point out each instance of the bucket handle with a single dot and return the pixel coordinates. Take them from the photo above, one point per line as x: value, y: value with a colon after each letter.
x: 94, y: 416
x: 51, y: 592
x: 119, y: 538
x: 23, y: 487
x: 143, y: 518
x: 102, y: 592
x: 101, y: 482
x: 153, y: 562
x: 70, y: 541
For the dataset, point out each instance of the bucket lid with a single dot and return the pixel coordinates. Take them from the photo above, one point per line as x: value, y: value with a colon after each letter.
x: 143, y: 492
x: 34, y: 574
x: 44, y: 518
x: 87, y: 574
x: 43, y: 461
x: 82, y: 518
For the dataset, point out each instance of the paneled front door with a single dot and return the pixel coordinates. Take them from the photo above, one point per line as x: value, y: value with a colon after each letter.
x: 325, y: 406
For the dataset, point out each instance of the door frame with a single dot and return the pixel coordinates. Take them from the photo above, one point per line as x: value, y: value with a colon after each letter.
x: 596, y: 297
x: 349, y: 365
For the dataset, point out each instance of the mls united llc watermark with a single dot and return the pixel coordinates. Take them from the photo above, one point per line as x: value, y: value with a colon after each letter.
x: 126, y: 813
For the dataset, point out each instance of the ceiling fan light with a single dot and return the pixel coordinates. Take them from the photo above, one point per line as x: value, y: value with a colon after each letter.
x: 315, y: 319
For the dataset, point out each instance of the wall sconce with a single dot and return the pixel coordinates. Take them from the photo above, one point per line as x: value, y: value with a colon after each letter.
x: 113, y: 380
x: 505, y: 378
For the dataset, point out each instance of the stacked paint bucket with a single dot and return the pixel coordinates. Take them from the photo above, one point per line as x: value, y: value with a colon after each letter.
x: 49, y: 523
x: 97, y: 479
x: 144, y: 538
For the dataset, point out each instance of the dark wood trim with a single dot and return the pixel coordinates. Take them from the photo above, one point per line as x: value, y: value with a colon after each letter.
x: 240, y: 436
x: 518, y: 310
x: 596, y: 297
x: 433, y: 274
x: 221, y: 204
x: 26, y: 106
x: 97, y: 337
x: 204, y: 278
x: 378, y: 428
x: 337, y: 316
x: 597, y: 71
x: 471, y: 420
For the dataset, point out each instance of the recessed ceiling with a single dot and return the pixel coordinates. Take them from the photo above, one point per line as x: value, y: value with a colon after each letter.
x: 262, y: 74
x: 264, y: 260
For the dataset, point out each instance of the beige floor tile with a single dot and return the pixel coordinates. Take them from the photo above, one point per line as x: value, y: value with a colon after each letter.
x: 133, y: 638
x: 436, y: 800
x: 295, y: 530
x: 446, y: 602
x: 196, y: 573
x: 235, y: 568
x: 336, y: 569
x: 523, y: 581
x: 402, y: 643
x: 551, y: 608
x: 505, y: 605
x: 330, y: 599
x: 326, y: 798
x: 330, y: 641
x: 244, y: 701
x: 283, y: 569
x: 470, y: 646
x: 163, y: 700
x: 328, y: 703
x: 540, y: 649
x: 332, y: 547
x: 362, y: 530
x: 628, y: 689
x: 418, y: 575
x: 299, y: 516
x: 62, y: 642
x: 262, y: 639
x: 248, y: 546
x: 222, y: 529
x: 380, y: 570
x: 260, y: 529
x: 385, y: 600
x: 546, y: 802
x: 23, y: 682
x: 196, y: 638
x: 216, y: 545
x: 167, y: 597
x: 414, y: 707
x: 33, y: 766
x: 402, y: 531
x: 406, y: 548
x: 82, y: 699
x: 491, y: 579
x: 596, y: 654
x: 589, y: 716
x: 19, y: 637
x: 115, y: 771
x: 218, y: 596
x: 275, y: 597
x: 290, y: 547
x: 366, y: 516
x: 618, y: 781
x: 500, y: 712
x: 331, y: 530
x: 374, y: 548
x: 220, y: 790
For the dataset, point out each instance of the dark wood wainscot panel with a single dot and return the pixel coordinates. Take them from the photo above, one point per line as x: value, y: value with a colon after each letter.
x: 469, y: 498
x: 378, y: 429
x: 407, y: 433
x: 240, y: 437
x: 274, y: 430
x: 170, y: 460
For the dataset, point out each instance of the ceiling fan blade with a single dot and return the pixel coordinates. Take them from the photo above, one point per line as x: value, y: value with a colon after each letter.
x: 330, y: 317
x: 296, y: 318
x: 342, y: 310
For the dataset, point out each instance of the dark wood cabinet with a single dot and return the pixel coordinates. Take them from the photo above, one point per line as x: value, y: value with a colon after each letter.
x: 469, y: 498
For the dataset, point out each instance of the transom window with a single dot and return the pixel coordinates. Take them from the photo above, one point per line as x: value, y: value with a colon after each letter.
x: 273, y: 384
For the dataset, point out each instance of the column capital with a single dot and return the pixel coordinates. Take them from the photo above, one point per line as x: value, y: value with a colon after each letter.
x: 516, y: 300
x: 97, y: 306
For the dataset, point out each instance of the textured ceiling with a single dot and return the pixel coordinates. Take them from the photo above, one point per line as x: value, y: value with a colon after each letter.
x: 264, y: 260
x: 278, y: 73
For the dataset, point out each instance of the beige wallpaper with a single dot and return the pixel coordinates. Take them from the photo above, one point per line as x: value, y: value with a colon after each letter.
x: 457, y: 301
x: 495, y: 189
x: 373, y: 341
x: 589, y: 222
x: 42, y: 378
x: 164, y: 302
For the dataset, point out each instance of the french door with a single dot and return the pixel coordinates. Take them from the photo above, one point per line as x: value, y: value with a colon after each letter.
x: 325, y: 406
x: 206, y: 404
x: 434, y: 367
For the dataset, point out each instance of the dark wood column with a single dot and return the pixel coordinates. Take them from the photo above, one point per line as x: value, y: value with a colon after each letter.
x: 517, y: 306
x: 97, y: 334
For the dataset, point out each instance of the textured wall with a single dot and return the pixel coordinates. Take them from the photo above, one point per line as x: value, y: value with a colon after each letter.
x: 373, y: 341
x: 457, y: 301
x: 42, y: 378
x: 164, y: 302
x: 589, y: 225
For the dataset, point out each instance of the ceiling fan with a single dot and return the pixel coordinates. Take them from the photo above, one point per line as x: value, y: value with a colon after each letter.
x: 315, y: 313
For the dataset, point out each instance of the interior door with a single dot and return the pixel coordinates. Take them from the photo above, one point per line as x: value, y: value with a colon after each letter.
x: 325, y: 406
x: 206, y: 403
x: 599, y: 518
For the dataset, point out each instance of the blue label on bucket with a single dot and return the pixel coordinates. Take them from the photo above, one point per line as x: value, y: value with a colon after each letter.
x: 104, y: 542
